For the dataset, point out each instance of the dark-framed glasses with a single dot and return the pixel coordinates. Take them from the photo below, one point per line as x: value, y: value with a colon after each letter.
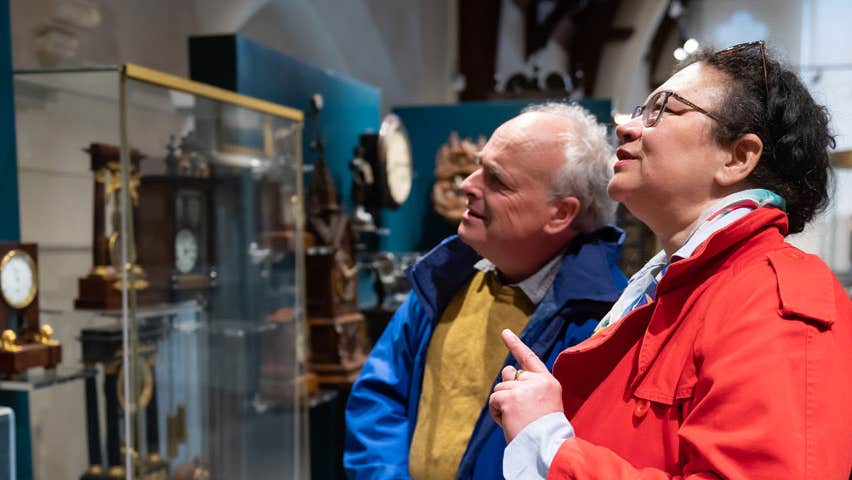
x: 652, y: 111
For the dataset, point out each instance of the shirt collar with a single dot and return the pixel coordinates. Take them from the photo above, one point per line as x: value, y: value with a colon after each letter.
x: 535, y: 286
x: 725, y: 212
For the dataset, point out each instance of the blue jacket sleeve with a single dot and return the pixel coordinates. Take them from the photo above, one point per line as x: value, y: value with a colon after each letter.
x: 378, y: 419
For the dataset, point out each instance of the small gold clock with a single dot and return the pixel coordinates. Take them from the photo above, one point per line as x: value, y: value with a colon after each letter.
x: 18, y: 279
x: 26, y: 343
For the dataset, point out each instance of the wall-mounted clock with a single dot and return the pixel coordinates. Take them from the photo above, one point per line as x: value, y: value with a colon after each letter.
x: 389, y: 154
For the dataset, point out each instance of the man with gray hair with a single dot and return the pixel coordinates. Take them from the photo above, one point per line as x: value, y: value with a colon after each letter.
x: 534, y: 253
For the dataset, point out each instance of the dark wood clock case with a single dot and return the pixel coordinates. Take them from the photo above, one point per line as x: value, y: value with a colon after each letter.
x: 101, y: 288
x: 338, y: 331
x: 168, y: 205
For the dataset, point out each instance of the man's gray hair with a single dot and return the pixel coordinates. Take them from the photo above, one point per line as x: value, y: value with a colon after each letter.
x: 588, y: 165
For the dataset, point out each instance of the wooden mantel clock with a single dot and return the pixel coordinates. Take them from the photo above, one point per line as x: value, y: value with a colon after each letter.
x: 175, y: 218
x: 102, y: 287
x: 25, y: 343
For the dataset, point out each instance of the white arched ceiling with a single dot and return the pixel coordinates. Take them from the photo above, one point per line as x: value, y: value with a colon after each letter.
x: 407, y: 48
x: 401, y: 47
x: 224, y: 16
x: 623, y: 74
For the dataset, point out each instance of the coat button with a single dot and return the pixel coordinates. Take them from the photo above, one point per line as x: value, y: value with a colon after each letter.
x: 642, y: 407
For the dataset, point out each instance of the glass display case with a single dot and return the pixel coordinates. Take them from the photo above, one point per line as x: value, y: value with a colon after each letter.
x: 168, y: 221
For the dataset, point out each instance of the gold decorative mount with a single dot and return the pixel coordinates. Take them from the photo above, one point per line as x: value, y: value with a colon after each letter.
x: 45, y: 332
x: 7, y: 343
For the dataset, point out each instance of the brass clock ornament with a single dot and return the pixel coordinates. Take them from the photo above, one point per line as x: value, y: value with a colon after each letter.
x: 454, y: 161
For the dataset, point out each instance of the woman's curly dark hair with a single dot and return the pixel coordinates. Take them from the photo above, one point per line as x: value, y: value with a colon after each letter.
x: 793, y: 128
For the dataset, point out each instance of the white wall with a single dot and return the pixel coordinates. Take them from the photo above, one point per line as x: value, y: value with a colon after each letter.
x: 404, y: 47
x: 825, y: 37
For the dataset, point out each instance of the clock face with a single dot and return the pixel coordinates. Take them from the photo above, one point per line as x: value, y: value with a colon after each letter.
x: 18, y: 282
x: 186, y: 251
x: 398, y: 167
x: 395, y: 152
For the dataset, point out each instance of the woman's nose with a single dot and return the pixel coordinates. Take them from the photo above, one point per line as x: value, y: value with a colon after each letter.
x: 627, y: 132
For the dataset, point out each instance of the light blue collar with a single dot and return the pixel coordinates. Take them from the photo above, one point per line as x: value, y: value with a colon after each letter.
x: 722, y: 213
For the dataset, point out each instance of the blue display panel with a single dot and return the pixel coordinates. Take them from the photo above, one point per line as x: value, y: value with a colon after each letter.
x: 351, y: 108
x: 9, y: 219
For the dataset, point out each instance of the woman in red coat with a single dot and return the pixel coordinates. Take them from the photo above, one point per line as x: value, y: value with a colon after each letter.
x: 730, y: 353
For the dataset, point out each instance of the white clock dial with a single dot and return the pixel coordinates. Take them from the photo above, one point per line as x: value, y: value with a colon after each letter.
x: 17, y: 279
x: 399, y: 167
x: 186, y: 251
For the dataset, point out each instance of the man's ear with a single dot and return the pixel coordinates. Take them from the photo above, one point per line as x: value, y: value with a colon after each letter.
x: 563, y: 212
x: 742, y: 159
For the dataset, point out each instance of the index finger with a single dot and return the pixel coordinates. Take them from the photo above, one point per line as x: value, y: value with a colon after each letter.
x: 526, y: 358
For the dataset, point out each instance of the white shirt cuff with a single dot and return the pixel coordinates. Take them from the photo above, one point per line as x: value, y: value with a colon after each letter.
x: 530, y: 454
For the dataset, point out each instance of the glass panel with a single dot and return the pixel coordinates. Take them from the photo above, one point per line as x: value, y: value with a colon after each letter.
x: 191, y: 361
x: 216, y: 234
x: 59, y: 115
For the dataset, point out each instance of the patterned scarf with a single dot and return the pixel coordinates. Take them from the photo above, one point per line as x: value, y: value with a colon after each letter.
x: 642, y: 287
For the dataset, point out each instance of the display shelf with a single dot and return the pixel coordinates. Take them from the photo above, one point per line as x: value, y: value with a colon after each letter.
x: 38, y: 379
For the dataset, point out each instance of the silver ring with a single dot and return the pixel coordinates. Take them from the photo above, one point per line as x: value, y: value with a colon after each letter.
x: 518, y: 373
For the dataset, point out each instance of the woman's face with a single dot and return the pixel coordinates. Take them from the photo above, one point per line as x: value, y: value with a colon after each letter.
x: 668, y: 169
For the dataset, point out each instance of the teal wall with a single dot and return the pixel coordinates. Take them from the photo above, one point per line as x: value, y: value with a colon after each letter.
x: 351, y: 107
x: 10, y: 229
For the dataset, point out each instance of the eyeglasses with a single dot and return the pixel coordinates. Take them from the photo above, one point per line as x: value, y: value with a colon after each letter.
x: 652, y: 111
x: 744, y: 46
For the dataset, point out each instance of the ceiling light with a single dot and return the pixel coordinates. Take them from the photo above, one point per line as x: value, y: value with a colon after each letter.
x: 690, y: 46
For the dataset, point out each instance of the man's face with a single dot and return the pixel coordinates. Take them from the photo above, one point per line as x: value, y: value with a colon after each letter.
x: 508, y: 196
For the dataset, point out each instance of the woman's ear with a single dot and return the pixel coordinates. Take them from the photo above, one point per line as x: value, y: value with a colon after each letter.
x: 563, y: 212
x: 744, y: 155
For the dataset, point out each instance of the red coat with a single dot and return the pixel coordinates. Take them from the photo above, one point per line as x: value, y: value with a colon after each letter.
x: 741, y: 369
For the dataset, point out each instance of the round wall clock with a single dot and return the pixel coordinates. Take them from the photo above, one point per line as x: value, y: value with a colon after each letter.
x: 395, y: 160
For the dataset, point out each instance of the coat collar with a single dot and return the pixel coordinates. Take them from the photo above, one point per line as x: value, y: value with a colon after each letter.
x: 588, y: 272
x: 733, y: 238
